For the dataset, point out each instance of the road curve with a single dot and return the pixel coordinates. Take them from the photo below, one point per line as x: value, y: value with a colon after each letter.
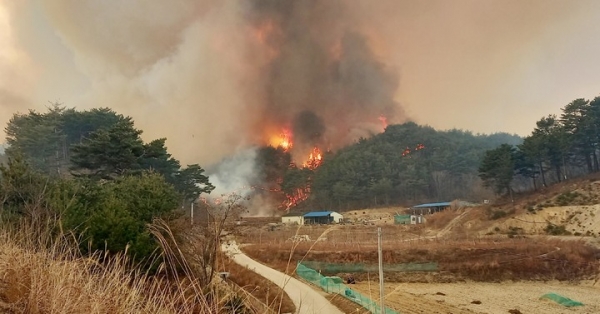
x: 305, y: 298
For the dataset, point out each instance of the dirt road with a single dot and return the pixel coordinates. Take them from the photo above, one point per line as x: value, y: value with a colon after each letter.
x: 305, y: 298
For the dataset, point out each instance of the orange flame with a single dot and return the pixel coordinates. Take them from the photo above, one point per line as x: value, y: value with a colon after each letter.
x: 314, y: 159
x: 407, y: 151
x: 283, y: 140
x: 384, y: 121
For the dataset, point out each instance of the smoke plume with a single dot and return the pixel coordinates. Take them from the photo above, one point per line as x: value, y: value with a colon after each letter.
x: 215, y: 77
x: 322, y: 74
x: 211, y: 76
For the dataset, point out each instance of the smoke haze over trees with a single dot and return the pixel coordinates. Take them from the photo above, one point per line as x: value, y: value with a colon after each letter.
x: 206, y: 74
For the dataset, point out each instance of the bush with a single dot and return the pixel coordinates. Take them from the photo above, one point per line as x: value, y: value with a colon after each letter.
x: 556, y: 230
x: 497, y: 214
x: 567, y: 198
x: 112, y: 216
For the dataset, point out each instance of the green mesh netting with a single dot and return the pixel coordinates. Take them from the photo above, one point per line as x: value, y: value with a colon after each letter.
x: 564, y: 301
x: 333, y: 268
x: 335, y: 284
x: 402, y: 219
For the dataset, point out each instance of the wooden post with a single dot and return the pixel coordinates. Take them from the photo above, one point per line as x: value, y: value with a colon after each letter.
x: 382, y: 311
x: 192, y: 214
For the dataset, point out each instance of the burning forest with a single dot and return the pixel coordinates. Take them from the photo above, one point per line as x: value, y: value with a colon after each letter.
x: 322, y: 86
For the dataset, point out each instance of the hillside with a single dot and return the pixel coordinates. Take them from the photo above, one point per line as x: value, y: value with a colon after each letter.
x: 570, y: 208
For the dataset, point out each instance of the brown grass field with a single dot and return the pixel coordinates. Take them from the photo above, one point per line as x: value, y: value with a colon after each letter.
x: 481, y: 259
x: 504, y: 273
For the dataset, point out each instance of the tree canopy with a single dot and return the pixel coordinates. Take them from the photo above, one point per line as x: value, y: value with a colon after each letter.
x: 116, y: 186
x: 97, y: 144
x: 558, y: 148
x: 407, y: 163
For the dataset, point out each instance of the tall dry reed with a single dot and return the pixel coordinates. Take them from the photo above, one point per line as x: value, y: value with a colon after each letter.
x: 41, y: 273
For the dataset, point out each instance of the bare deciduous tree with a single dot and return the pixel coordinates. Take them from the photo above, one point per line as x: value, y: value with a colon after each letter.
x: 194, y: 250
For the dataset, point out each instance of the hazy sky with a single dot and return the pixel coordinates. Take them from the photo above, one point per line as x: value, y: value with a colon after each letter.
x: 186, y: 70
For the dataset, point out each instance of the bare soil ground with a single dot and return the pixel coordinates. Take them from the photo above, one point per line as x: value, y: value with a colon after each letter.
x: 477, y: 297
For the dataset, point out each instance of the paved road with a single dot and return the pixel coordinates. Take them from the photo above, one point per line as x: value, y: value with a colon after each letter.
x: 305, y: 298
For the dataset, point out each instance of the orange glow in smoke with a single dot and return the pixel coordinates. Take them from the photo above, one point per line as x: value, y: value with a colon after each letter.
x: 336, y: 51
x: 264, y: 34
x: 283, y: 140
x: 314, y: 159
x: 384, y: 121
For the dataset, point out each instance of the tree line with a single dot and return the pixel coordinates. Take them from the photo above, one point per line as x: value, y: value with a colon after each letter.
x: 406, y: 164
x: 559, y: 148
x: 92, y: 170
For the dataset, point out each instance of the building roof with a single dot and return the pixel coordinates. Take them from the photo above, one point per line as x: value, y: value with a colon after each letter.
x: 427, y: 205
x: 318, y: 214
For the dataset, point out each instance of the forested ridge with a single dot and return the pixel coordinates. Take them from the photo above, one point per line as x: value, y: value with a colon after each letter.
x: 559, y: 148
x: 407, y: 163
x: 92, y: 167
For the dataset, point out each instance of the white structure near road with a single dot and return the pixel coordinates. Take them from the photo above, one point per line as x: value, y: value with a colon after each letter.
x: 293, y: 220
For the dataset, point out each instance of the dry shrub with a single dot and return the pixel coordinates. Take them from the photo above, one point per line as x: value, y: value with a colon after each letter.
x: 483, y: 259
x: 441, y: 219
x: 48, y: 275
x: 259, y: 287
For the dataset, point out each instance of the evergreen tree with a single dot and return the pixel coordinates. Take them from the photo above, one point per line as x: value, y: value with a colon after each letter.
x: 497, y: 169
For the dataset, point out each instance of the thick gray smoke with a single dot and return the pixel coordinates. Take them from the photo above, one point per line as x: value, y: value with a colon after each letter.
x: 322, y: 76
x: 211, y: 76
x: 233, y: 174
x: 308, y: 128
x: 218, y: 76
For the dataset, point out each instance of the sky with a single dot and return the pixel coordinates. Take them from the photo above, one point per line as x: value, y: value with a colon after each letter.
x: 192, y: 72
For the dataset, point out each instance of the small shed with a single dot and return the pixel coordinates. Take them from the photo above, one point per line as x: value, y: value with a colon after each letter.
x: 322, y: 217
x: 429, y: 208
x: 292, y: 219
x: 408, y: 219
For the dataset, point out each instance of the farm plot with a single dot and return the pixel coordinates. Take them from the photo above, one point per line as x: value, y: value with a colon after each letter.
x: 488, y: 298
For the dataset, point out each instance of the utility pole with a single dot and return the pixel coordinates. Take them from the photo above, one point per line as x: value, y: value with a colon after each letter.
x: 192, y: 214
x: 382, y: 310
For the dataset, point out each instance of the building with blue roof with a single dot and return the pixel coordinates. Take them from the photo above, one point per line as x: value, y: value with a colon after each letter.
x: 429, y: 208
x: 322, y: 217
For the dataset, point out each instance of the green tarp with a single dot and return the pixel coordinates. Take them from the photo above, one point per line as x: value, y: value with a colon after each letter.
x: 564, y: 301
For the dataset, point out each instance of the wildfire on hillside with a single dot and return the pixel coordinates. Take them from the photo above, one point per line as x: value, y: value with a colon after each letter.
x: 314, y: 159
x: 283, y: 140
x: 384, y: 121
x: 321, y: 78
x: 407, y: 151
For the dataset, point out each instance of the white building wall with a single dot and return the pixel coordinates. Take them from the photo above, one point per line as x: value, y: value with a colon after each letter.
x: 292, y: 220
x: 337, y: 218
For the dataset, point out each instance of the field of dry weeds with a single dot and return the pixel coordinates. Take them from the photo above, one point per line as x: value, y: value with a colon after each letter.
x: 497, y: 258
x: 503, y: 273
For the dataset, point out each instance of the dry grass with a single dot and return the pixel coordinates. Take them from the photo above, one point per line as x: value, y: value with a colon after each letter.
x: 483, y: 259
x: 44, y: 275
x: 259, y: 287
x: 441, y: 219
